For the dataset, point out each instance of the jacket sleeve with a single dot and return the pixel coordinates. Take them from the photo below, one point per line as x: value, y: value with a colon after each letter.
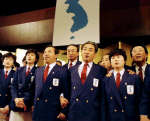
x: 65, y: 87
x: 145, y: 100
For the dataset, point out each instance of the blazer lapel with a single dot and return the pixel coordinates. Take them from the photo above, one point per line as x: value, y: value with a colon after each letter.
x: 39, y: 81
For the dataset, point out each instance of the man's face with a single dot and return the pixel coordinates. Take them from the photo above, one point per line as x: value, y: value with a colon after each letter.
x: 72, y: 53
x: 8, y: 62
x: 88, y: 53
x: 30, y: 58
x: 49, y: 55
x: 138, y: 54
x: 117, y: 61
x: 106, y: 62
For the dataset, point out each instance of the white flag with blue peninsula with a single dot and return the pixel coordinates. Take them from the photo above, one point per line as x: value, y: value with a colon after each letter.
x: 76, y: 22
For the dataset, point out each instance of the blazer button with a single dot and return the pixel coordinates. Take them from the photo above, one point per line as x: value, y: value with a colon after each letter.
x: 38, y: 99
x: 0, y: 94
x: 74, y: 87
x: 6, y: 95
x: 77, y: 99
x: 111, y: 98
x: 125, y: 97
x: 115, y: 110
x: 87, y: 101
x: 19, y: 93
x: 125, y: 83
x: 92, y: 89
x: 122, y: 111
x: 50, y: 88
x: 46, y: 100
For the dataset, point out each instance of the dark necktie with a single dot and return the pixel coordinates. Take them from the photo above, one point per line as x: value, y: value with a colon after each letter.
x: 83, y: 73
x: 140, y: 73
x: 118, y: 80
x: 6, y: 74
x: 28, y: 71
x: 45, y: 73
x: 70, y: 65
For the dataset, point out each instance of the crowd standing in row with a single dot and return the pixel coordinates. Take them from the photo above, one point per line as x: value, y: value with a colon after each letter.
x: 77, y: 91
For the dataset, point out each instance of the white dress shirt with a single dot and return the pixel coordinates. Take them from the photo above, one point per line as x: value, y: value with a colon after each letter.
x: 50, y: 66
x: 88, y: 68
x: 73, y: 63
x: 121, y: 73
x: 143, y: 69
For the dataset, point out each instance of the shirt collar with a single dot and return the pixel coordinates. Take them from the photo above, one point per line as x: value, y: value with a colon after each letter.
x: 89, y: 64
x: 8, y: 70
x: 51, y: 65
x: 121, y: 72
x: 143, y: 67
x: 27, y: 66
x: 73, y: 63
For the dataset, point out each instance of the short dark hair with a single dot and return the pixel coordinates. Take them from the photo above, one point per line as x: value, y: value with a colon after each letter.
x: 56, y: 50
x: 118, y: 52
x: 74, y: 46
x: 92, y: 43
x: 141, y: 45
x: 9, y: 55
x: 35, y: 52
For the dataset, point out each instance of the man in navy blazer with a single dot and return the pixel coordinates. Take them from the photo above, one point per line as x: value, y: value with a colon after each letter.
x: 6, y: 78
x: 51, y: 81
x: 139, y: 54
x: 86, y: 102
x: 122, y: 91
x: 72, y: 56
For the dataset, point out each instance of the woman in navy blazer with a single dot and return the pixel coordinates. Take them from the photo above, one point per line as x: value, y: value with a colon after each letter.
x: 22, y: 89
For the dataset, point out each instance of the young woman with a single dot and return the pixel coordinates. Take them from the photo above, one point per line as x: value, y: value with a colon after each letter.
x: 22, y: 89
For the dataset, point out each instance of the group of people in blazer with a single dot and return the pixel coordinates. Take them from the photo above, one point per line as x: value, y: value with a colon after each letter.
x: 77, y: 91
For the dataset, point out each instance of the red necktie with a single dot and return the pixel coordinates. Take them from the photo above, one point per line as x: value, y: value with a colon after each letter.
x: 140, y: 73
x: 6, y: 74
x: 70, y: 65
x: 28, y: 71
x: 83, y: 73
x: 45, y: 73
x: 118, y: 80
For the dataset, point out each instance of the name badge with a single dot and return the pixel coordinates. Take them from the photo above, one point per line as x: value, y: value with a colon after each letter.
x: 130, y: 89
x: 32, y: 78
x: 55, y: 82
x: 95, y: 82
x: 11, y: 81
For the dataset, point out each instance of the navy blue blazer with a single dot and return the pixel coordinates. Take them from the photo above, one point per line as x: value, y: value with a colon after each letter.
x: 23, y: 87
x: 47, y: 95
x: 145, y: 100
x: 5, y: 96
x: 86, y: 102
x: 123, y: 104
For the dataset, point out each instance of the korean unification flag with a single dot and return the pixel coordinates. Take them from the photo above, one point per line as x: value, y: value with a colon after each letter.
x: 76, y: 22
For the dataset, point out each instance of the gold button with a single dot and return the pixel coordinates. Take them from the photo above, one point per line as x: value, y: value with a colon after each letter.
x: 6, y: 95
x: 87, y: 101
x: 38, y: 99
x: 92, y: 89
x: 111, y: 98
x: 115, y: 110
x: 77, y: 99
x: 50, y: 88
x: 0, y: 95
x: 46, y: 100
x: 125, y: 97
x: 122, y: 110
x: 74, y: 87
